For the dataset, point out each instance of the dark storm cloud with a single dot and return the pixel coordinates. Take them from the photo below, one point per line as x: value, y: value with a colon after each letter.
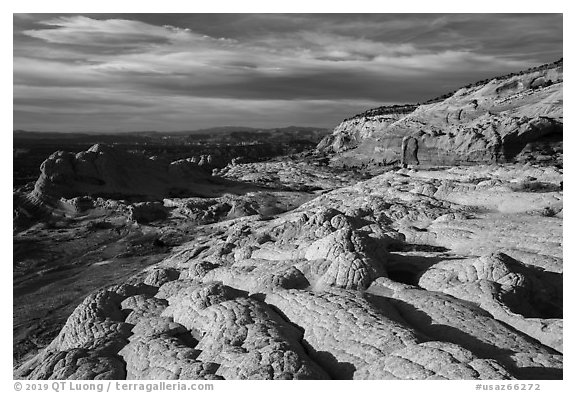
x: 185, y: 70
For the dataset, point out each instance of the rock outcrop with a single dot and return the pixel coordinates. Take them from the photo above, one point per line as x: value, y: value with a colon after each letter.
x: 428, y: 274
x: 105, y: 171
x: 498, y: 120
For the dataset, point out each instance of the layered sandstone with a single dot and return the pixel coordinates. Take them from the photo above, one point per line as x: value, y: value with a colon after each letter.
x: 497, y: 120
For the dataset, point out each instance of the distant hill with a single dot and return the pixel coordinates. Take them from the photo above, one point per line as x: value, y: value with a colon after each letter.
x: 49, y: 137
x: 222, y: 134
x: 254, y: 135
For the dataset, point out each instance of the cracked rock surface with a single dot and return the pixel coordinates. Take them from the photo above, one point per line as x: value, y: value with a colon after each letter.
x: 431, y: 274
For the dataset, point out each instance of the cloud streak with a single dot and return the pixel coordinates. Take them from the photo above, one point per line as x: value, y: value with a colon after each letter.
x: 171, y: 72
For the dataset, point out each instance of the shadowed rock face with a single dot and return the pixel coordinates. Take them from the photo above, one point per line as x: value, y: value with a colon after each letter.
x: 109, y: 172
x: 429, y: 274
x: 409, y: 151
x: 492, y: 121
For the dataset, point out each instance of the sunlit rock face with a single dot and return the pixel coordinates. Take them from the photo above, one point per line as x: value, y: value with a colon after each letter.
x: 491, y: 121
x: 428, y: 274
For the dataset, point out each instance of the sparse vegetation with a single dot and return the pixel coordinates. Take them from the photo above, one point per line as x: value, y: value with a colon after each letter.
x: 99, y: 224
x: 387, y: 110
x: 534, y: 186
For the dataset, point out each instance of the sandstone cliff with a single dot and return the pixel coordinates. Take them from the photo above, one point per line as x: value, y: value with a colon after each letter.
x: 489, y: 121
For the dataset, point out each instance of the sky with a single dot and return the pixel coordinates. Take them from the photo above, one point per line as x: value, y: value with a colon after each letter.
x: 176, y: 72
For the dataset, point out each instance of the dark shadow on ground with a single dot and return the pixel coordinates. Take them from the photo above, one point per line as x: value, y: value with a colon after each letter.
x: 425, y: 326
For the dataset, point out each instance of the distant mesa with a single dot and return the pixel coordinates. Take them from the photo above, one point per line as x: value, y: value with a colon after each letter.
x: 513, y: 117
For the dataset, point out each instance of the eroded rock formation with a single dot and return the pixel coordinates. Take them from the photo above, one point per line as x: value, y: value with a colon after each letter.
x: 429, y: 274
x: 497, y: 120
x: 106, y: 171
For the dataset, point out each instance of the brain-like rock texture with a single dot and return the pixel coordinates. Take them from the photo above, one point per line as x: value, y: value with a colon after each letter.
x: 433, y: 360
x: 453, y: 274
x: 452, y: 320
x: 79, y: 364
x: 504, y: 287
